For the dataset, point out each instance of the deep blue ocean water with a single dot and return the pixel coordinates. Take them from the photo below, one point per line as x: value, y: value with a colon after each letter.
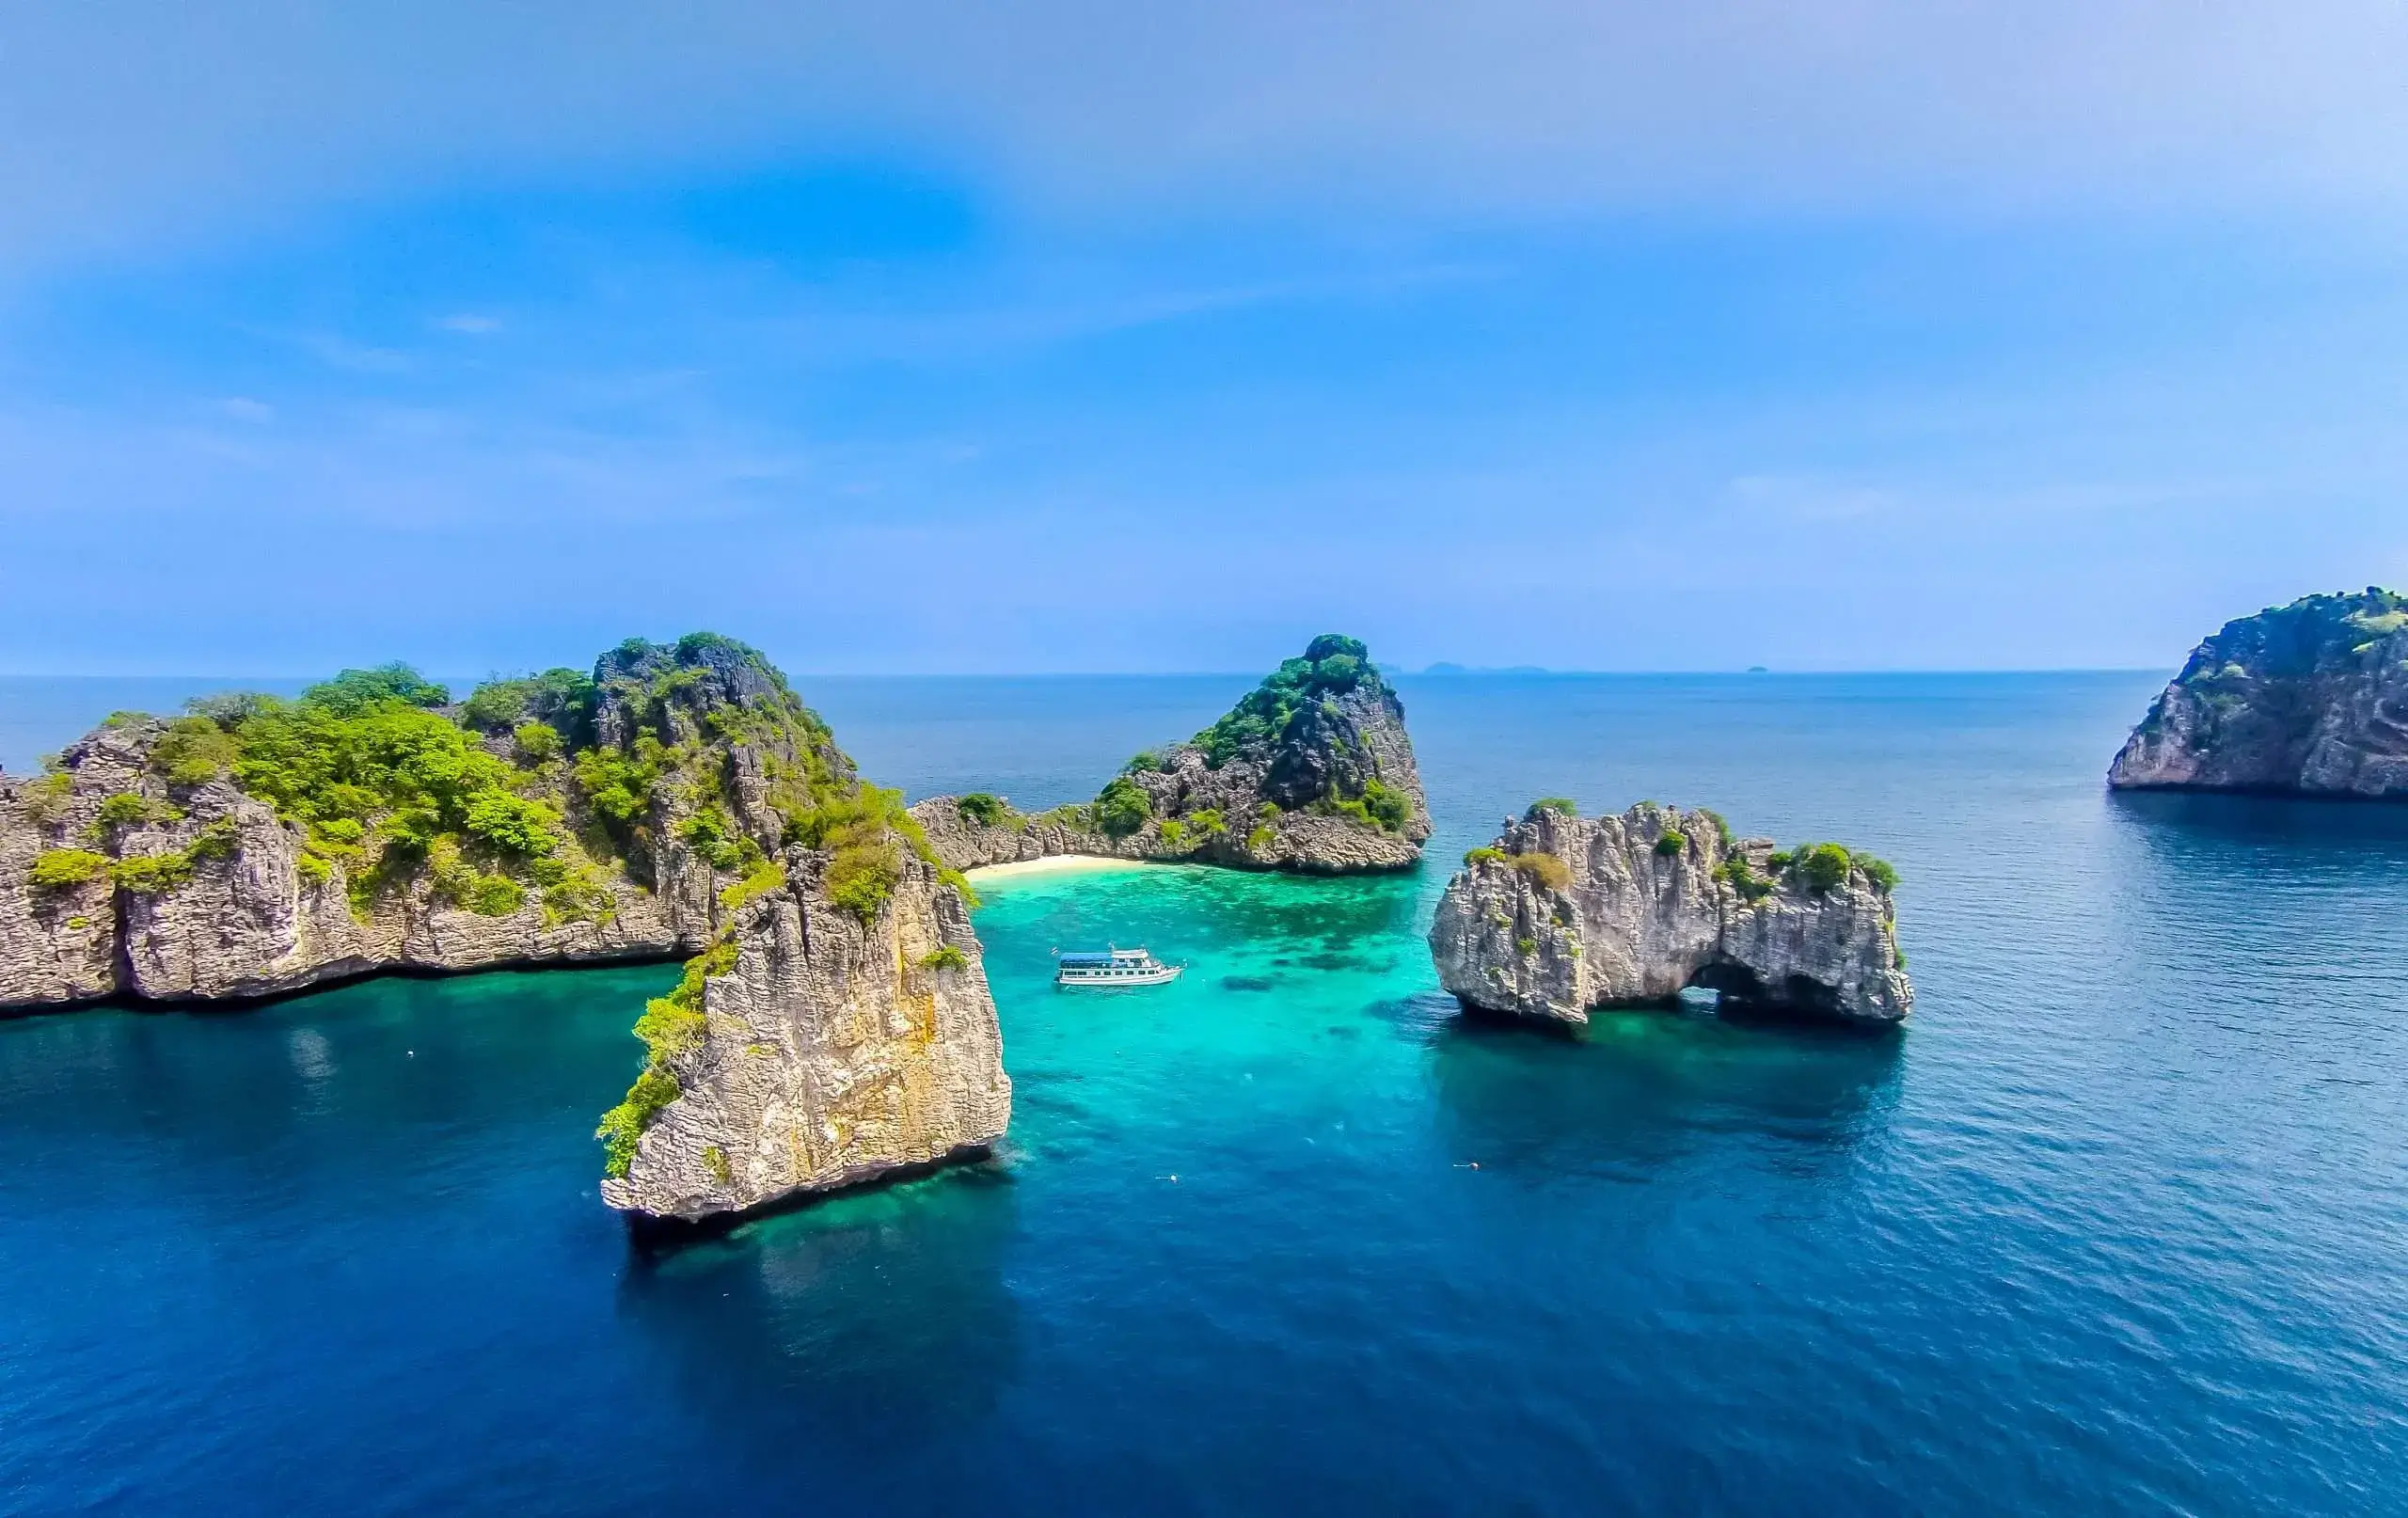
x: 2117, y: 1224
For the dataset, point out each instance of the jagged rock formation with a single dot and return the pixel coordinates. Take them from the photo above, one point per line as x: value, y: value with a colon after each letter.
x: 1311, y: 771
x: 2309, y: 699
x: 256, y: 845
x: 811, y: 1050
x: 836, y: 1025
x: 1563, y: 913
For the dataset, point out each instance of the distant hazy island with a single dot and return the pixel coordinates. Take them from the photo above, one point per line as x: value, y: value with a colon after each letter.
x: 2309, y: 699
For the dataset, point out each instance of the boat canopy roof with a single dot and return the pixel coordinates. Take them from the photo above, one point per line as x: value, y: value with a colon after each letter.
x: 1108, y: 958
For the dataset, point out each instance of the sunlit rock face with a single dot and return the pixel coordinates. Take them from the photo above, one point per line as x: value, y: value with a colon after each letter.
x: 2306, y: 699
x: 1562, y: 914
x: 830, y: 1050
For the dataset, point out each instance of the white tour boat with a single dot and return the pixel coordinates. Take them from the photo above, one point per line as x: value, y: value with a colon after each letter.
x: 1114, y: 967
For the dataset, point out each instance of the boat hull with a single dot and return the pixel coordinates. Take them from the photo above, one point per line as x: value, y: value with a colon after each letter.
x: 1150, y: 977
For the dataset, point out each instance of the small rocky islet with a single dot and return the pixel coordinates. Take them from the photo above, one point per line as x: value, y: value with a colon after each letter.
x: 1310, y: 771
x: 1562, y: 914
x: 2309, y: 699
x: 834, y: 1023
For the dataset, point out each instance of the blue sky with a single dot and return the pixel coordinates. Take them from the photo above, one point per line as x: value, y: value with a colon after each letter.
x: 1857, y: 335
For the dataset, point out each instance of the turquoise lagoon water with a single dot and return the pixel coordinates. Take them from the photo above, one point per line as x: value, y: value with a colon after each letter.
x: 2117, y: 1224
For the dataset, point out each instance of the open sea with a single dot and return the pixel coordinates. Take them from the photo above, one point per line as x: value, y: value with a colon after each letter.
x: 2118, y: 1223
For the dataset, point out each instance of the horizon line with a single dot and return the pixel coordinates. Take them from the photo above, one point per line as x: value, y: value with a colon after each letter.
x: 1459, y: 672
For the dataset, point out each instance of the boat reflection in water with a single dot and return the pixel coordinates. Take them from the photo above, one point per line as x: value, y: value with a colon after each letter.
x: 1114, y: 967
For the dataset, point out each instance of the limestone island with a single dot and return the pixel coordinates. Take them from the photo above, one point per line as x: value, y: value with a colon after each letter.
x: 834, y: 1025
x: 2309, y: 699
x: 1310, y: 771
x: 1563, y: 914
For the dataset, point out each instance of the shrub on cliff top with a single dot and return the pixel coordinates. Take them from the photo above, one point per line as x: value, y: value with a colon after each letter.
x: 1123, y: 807
x: 1390, y: 808
x: 149, y: 875
x: 194, y: 751
x: 1822, y: 866
x: 131, y: 809
x: 562, y: 698
x: 1561, y: 805
x: 60, y: 869
x: 984, y: 808
x: 1750, y: 886
x: 354, y: 692
x: 863, y: 876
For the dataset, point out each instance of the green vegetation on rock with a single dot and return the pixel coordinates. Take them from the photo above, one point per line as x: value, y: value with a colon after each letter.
x: 61, y: 869
x: 1561, y: 805
x: 1380, y: 806
x: 562, y: 700
x: 1331, y: 666
x: 622, y: 1126
x: 1123, y: 808
x: 375, y: 777
x: 1671, y: 843
x: 151, y: 875
x: 1824, y: 868
x: 130, y: 809
x: 944, y: 957
x: 985, y: 809
x: 1736, y: 872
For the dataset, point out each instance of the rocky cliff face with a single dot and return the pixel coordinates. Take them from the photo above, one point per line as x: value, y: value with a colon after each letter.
x: 2311, y: 698
x: 820, y: 1049
x: 1311, y: 771
x: 260, y: 847
x: 836, y: 1025
x: 1562, y: 914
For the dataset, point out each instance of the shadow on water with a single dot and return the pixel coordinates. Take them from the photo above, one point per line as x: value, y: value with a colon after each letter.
x: 1637, y: 1090
x: 869, y: 1318
x: 2297, y: 825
